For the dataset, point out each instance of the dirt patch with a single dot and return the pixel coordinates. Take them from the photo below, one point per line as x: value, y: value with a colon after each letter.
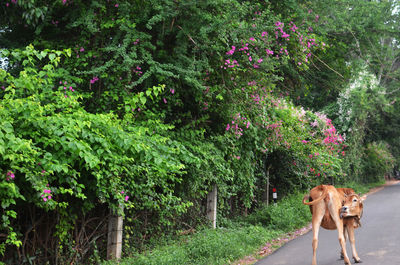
x: 271, y: 247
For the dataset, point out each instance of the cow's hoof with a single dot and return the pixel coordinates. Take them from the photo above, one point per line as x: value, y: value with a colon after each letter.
x: 357, y: 260
x: 341, y: 255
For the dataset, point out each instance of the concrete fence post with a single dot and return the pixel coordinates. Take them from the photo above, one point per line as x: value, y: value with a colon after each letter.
x: 267, y: 185
x: 114, y: 238
x: 212, y: 206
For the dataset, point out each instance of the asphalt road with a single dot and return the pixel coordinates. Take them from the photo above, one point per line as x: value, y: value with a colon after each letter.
x: 377, y: 241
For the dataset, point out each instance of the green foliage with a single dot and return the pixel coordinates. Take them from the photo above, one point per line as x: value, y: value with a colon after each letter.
x: 60, y: 157
x: 287, y: 215
x: 378, y: 161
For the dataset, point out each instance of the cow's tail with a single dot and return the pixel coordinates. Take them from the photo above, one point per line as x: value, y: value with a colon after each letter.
x: 323, y: 195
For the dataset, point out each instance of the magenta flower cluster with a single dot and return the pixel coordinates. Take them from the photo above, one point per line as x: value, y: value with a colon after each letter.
x: 230, y: 64
x: 12, y: 1
x: 46, y: 195
x: 10, y: 176
x: 126, y: 196
x: 64, y: 85
x: 237, y: 124
x: 282, y: 37
x: 138, y: 70
x: 94, y: 80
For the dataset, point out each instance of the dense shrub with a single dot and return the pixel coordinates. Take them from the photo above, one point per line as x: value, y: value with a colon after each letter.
x: 378, y: 161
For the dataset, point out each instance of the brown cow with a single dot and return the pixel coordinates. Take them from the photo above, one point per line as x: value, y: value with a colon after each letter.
x: 335, y: 208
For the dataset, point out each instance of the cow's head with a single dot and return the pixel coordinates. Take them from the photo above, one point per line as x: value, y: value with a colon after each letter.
x: 352, y: 206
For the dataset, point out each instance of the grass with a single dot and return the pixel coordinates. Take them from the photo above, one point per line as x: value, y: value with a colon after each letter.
x: 242, y: 237
x: 362, y: 188
x: 219, y: 246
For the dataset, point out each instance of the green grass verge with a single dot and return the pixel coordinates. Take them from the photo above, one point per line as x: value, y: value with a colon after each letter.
x: 242, y: 237
x: 362, y: 188
x: 219, y: 246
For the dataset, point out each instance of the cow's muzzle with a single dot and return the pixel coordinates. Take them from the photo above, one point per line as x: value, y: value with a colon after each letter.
x: 344, y: 211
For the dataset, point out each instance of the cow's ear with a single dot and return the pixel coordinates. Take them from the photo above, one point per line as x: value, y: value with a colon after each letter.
x: 362, y: 198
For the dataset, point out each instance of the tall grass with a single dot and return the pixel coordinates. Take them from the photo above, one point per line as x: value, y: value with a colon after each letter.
x: 219, y: 246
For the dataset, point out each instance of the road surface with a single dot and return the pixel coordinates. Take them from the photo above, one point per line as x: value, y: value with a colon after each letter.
x: 377, y: 241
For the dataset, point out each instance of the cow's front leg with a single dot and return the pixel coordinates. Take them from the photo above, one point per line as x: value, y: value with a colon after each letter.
x: 350, y: 231
x: 342, y: 243
x: 345, y: 235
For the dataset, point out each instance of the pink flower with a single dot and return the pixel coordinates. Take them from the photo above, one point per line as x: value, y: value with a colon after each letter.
x: 94, y: 80
x: 10, y: 174
x: 122, y: 192
x: 259, y: 60
x: 82, y: 49
x: 228, y: 127
x: 172, y: 90
x: 64, y: 1
x: 250, y: 59
x: 126, y: 198
x: 269, y: 51
x: 263, y: 34
x: 116, y: 5
x: 252, y: 39
x: 165, y: 100
x: 231, y: 51
x: 285, y: 35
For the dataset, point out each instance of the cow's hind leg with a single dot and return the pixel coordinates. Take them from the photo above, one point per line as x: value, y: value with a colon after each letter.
x: 339, y: 226
x: 318, y: 214
x: 342, y: 243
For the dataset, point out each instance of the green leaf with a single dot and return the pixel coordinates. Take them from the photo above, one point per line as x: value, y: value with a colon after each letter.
x: 52, y: 56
